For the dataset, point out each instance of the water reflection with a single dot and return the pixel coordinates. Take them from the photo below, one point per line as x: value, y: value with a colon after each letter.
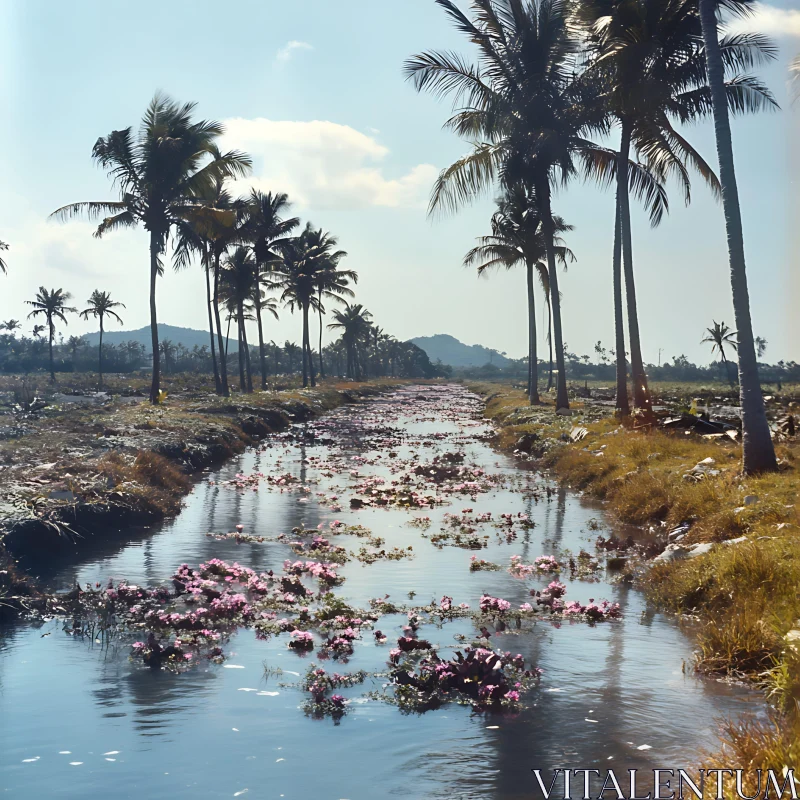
x: 607, y: 689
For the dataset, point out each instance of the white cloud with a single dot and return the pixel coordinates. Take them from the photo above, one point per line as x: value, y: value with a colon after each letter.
x: 768, y: 19
x: 285, y: 53
x: 325, y: 164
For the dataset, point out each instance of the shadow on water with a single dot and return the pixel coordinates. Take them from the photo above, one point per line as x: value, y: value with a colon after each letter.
x: 611, y: 694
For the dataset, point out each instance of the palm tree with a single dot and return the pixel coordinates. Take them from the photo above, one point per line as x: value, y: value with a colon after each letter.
x: 53, y: 306
x: 758, y: 453
x: 37, y: 331
x: 267, y: 231
x: 3, y: 265
x: 262, y: 303
x: 649, y: 58
x: 167, y: 349
x: 75, y: 343
x: 162, y: 173
x: 354, y: 323
x: 238, y: 284
x: 209, y: 231
x: 761, y: 346
x: 100, y: 306
x: 526, y: 113
x: 516, y: 239
x: 11, y: 325
x: 720, y: 337
x: 292, y: 351
x: 308, y: 273
x: 330, y: 281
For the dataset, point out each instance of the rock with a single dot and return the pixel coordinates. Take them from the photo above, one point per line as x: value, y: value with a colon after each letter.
x: 738, y: 540
x: 751, y: 499
x: 700, y: 549
x: 672, y: 552
x: 526, y: 442
x: 676, y: 534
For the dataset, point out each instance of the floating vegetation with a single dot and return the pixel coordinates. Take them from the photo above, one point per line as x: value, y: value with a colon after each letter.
x: 395, y: 554
x: 482, y: 678
x: 478, y: 565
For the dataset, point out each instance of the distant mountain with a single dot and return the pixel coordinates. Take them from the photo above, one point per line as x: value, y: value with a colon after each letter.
x: 188, y: 337
x: 449, y: 350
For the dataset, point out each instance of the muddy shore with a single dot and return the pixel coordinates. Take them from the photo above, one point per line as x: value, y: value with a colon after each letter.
x: 79, y: 466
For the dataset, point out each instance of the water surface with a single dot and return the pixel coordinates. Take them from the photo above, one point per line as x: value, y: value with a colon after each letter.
x: 79, y: 717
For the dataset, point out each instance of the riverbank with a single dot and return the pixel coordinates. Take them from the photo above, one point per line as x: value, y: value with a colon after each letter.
x: 78, y: 465
x: 732, y: 543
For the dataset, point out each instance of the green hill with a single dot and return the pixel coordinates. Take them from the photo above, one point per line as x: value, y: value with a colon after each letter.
x: 449, y: 350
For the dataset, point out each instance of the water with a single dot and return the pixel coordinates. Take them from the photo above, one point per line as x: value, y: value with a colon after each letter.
x: 77, y: 716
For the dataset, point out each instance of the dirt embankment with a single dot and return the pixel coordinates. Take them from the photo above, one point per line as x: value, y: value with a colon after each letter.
x: 76, y: 466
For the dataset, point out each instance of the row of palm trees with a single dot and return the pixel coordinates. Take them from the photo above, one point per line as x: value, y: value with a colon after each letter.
x: 173, y: 180
x: 552, y: 79
x: 51, y: 304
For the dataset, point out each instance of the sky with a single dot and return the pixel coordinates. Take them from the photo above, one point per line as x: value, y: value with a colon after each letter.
x: 314, y: 90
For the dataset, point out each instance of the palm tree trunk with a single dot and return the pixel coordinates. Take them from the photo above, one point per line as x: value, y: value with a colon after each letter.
x: 247, y: 365
x: 321, y: 363
x: 550, y: 341
x: 758, y: 451
x: 533, y: 365
x: 239, y: 324
x: 622, y: 405
x: 261, y: 352
x: 52, y: 333
x: 217, y: 384
x: 228, y: 334
x: 100, y: 365
x: 548, y: 229
x: 155, y: 387
x: 223, y: 348
x: 641, y: 395
x: 304, y: 346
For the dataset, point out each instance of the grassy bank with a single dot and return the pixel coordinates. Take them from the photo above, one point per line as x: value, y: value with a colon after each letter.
x: 73, y: 464
x: 746, y: 594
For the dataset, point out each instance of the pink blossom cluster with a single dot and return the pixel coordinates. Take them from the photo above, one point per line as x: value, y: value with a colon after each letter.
x: 489, y: 604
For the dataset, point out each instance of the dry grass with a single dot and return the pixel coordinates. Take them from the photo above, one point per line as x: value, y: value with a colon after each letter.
x: 747, y: 595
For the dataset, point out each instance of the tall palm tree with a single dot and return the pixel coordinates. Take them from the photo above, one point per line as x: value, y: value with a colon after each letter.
x: 100, y: 305
x: 306, y: 275
x: 648, y: 56
x: 517, y: 238
x: 262, y: 303
x: 721, y: 336
x: 11, y: 325
x: 330, y: 281
x: 162, y: 172
x: 758, y: 452
x: 266, y: 230
x: 52, y: 305
x: 354, y: 322
x: 238, y: 284
x: 208, y: 231
x: 526, y: 113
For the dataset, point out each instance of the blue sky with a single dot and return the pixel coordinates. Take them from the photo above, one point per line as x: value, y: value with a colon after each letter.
x: 314, y: 89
